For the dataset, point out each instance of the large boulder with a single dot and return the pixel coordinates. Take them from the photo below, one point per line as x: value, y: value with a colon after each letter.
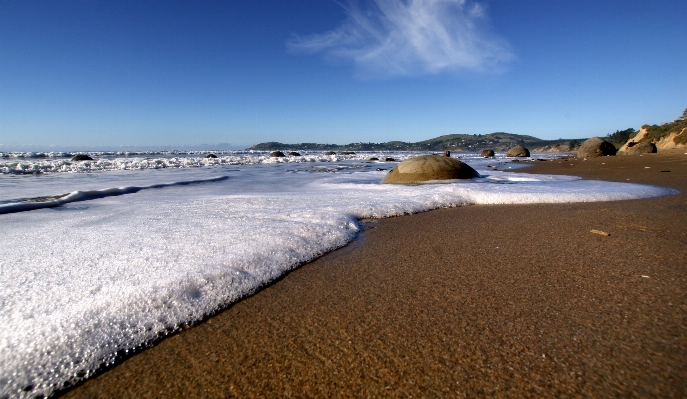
x: 429, y: 167
x: 518, y: 151
x: 644, y: 147
x: 81, y: 157
x: 488, y: 153
x: 277, y: 154
x: 596, y: 147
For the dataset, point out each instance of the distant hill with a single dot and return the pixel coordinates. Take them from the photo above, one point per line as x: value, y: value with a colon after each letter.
x: 498, y: 141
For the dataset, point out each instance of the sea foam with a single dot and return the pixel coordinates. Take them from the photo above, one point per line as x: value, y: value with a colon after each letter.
x: 84, y: 280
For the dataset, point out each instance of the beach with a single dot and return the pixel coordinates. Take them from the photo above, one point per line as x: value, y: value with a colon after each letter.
x: 480, y: 300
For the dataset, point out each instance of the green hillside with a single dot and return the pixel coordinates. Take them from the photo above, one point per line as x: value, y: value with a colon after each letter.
x: 498, y: 141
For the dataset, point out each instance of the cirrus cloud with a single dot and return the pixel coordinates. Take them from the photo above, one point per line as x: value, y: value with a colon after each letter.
x: 411, y: 37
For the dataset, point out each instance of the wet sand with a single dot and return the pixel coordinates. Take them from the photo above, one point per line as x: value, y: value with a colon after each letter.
x: 497, y: 301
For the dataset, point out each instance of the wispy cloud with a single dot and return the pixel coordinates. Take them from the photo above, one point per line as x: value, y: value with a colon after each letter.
x: 411, y: 37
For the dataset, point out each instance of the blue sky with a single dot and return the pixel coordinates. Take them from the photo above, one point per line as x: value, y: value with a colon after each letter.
x: 146, y: 73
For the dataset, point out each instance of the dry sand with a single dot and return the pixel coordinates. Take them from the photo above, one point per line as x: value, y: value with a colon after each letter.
x: 498, y: 301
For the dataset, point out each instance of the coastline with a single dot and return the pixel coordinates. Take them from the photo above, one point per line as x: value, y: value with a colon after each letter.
x: 478, y: 300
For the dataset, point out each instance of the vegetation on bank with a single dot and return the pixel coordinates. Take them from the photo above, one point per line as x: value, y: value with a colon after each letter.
x: 620, y: 137
x: 656, y: 132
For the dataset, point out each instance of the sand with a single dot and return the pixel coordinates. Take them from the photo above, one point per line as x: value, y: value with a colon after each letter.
x: 498, y: 301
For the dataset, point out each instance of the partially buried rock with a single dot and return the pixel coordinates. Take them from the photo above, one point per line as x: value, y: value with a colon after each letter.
x: 211, y: 156
x: 81, y: 157
x: 348, y: 153
x: 277, y: 154
x: 429, y: 167
x: 518, y: 151
x: 488, y: 153
x: 641, y: 148
x: 390, y: 160
x: 294, y: 154
x: 374, y: 159
x: 330, y: 153
x: 596, y: 147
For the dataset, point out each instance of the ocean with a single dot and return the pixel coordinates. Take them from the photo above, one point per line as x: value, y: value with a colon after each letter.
x: 103, y: 257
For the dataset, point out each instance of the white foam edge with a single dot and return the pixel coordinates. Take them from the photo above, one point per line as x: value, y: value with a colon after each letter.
x: 75, y: 196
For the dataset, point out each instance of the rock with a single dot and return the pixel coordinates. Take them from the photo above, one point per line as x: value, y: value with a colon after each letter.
x: 429, y: 167
x: 277, y: 154
x: 81, y: 157
x: 641, y: 134
x: 294, y: 154
x: 447, y: 153
x: 596, y: 147
x: 348, y: 153
x: 374, y: 159
x: 641, y: 148
x: 488, y: 153
x: 330, y: 153
x: 390, y: 160
x: 211, y: 156
x: 518, y: 151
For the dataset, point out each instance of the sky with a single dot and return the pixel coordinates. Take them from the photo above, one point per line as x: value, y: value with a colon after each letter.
x: 93, y: 73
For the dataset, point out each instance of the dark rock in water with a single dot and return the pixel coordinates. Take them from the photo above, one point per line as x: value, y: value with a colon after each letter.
x: 330, y: 153
x: 488, y: 153
x: 348, y: 153
x: 447, y: 153
x: 518, y: 151
x: 277, y: 154
x: 390, y: 160
x: 641, y: 148
x: 374, y: 159
x: 211, y: 156
x: 81, y: 157
x: 596, y: 147
x: 429, y: 167
x: 294, y: 154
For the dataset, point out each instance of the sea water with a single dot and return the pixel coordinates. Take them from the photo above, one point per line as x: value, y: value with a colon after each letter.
x: 101, y: 257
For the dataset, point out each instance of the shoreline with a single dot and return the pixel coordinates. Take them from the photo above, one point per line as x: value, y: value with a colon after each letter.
x: 478, y: 300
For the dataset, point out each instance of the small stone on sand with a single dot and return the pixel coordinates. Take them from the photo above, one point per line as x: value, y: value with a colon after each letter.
x: 599, y: 232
